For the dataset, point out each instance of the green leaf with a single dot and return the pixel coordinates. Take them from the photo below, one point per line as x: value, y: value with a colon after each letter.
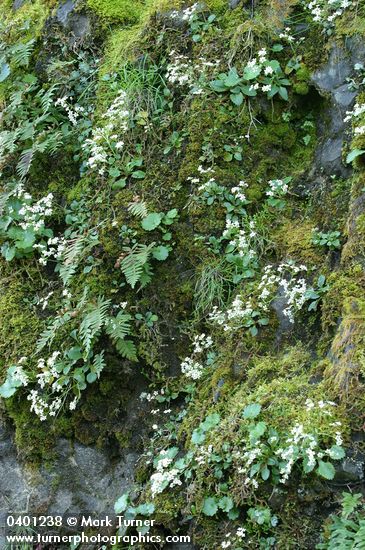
x: 120, y: 184
x: 277, y: 48
x: 237, y: 99
x: 7, y: 389
x: 232, y: 78
x: 145, y: 509
x: 121, y: 504
x: 354, y: 154
x: 91, y: 377
x: 198, y: 436
x: 160, y: 253
x: 250, y: 73
x: 8, y: 252
x: 127, y: 349
x: 257, y: 431
x: 283, y: 93
x: 233, y: 514
x: 252, y: 411
x: 74, y: 353
x: 4, y: 71
x: 152, y: 221
x: 225, y: 504
x: 210, y: 506
x: 326, y: 470
x: 336, y: 452
x: 210, y: 422
x: 138, y: 175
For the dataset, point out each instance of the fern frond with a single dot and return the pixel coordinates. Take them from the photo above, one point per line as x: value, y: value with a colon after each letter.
x: 118, y: 327
x: 25, y: 163
x: 138, y: 209
x: 74, y: 248
x: 132, y: 264
x: 46, y: 98
x: 21, y: 53
x: 98, y: 363
x: 127, y: 349
x: 93, y: 322
x: 48, y: 335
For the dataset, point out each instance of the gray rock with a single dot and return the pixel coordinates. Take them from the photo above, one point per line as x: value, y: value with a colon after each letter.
x: 82, y: 479
x: 80, y: 25
x: 351, y: 469
x: 279, y: 304
x: 234, y: 3
x: 330, y: 80
x: 77, y: 23
x: 18, y: 4
x: 64, y: 11
x: 334, y: 73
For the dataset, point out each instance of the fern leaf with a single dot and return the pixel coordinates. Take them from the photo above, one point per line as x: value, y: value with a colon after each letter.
x: 46, y: 98
x: 93, y: 322
x: 98, y: 363
x: 48, y: 335
x: 132, y: 264
x: 138, y: 209
x: 127, y: 349
x: 21, y: 53
x: 118, y: 327
x: 71, y: 258
x: 24, y: 163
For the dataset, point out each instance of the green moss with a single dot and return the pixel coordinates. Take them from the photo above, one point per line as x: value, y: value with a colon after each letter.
x: 293, y: 238
x: 20, y: 324
x: 126, y: 11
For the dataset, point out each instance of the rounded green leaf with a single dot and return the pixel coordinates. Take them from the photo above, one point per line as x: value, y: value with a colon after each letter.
x: 160, y: 253
x: 252, y: 411
x: 326, y: 470
x: 210, y: 506
x: 151, y: 221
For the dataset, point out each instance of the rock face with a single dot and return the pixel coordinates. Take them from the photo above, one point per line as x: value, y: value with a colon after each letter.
x: 18, y: 4
x: 77, y: 23
x: 331, y: 81
x: 82, y: 480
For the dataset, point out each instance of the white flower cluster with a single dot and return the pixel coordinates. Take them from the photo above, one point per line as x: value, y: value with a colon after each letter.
x: 152, y: 396
x: 183, y: 72
x: 241, y: 239
x: 73, y: 113
x: 106, y: 139
x: 44, y: 404
x: 187, y: 14
x: 48, y: 371
x: 33, y: 214
x: 286, y: 278
x: 285, y: 35
x: 277, y: 188
x: 234, y: 316
x: 358, y: 110
x: 238, y: 191
x: 234, y: 538
x: 163, y: 478
x: 19, y: 374
x: 191, y: 367
x: 326, y: 11
x: 301, y: 444
x: 42, y: 408
x: 54, y: 248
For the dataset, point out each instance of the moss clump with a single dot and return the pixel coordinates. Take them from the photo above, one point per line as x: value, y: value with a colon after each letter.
x: 125, y: 11
x: 294, y: 240
x: 20, y: 326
